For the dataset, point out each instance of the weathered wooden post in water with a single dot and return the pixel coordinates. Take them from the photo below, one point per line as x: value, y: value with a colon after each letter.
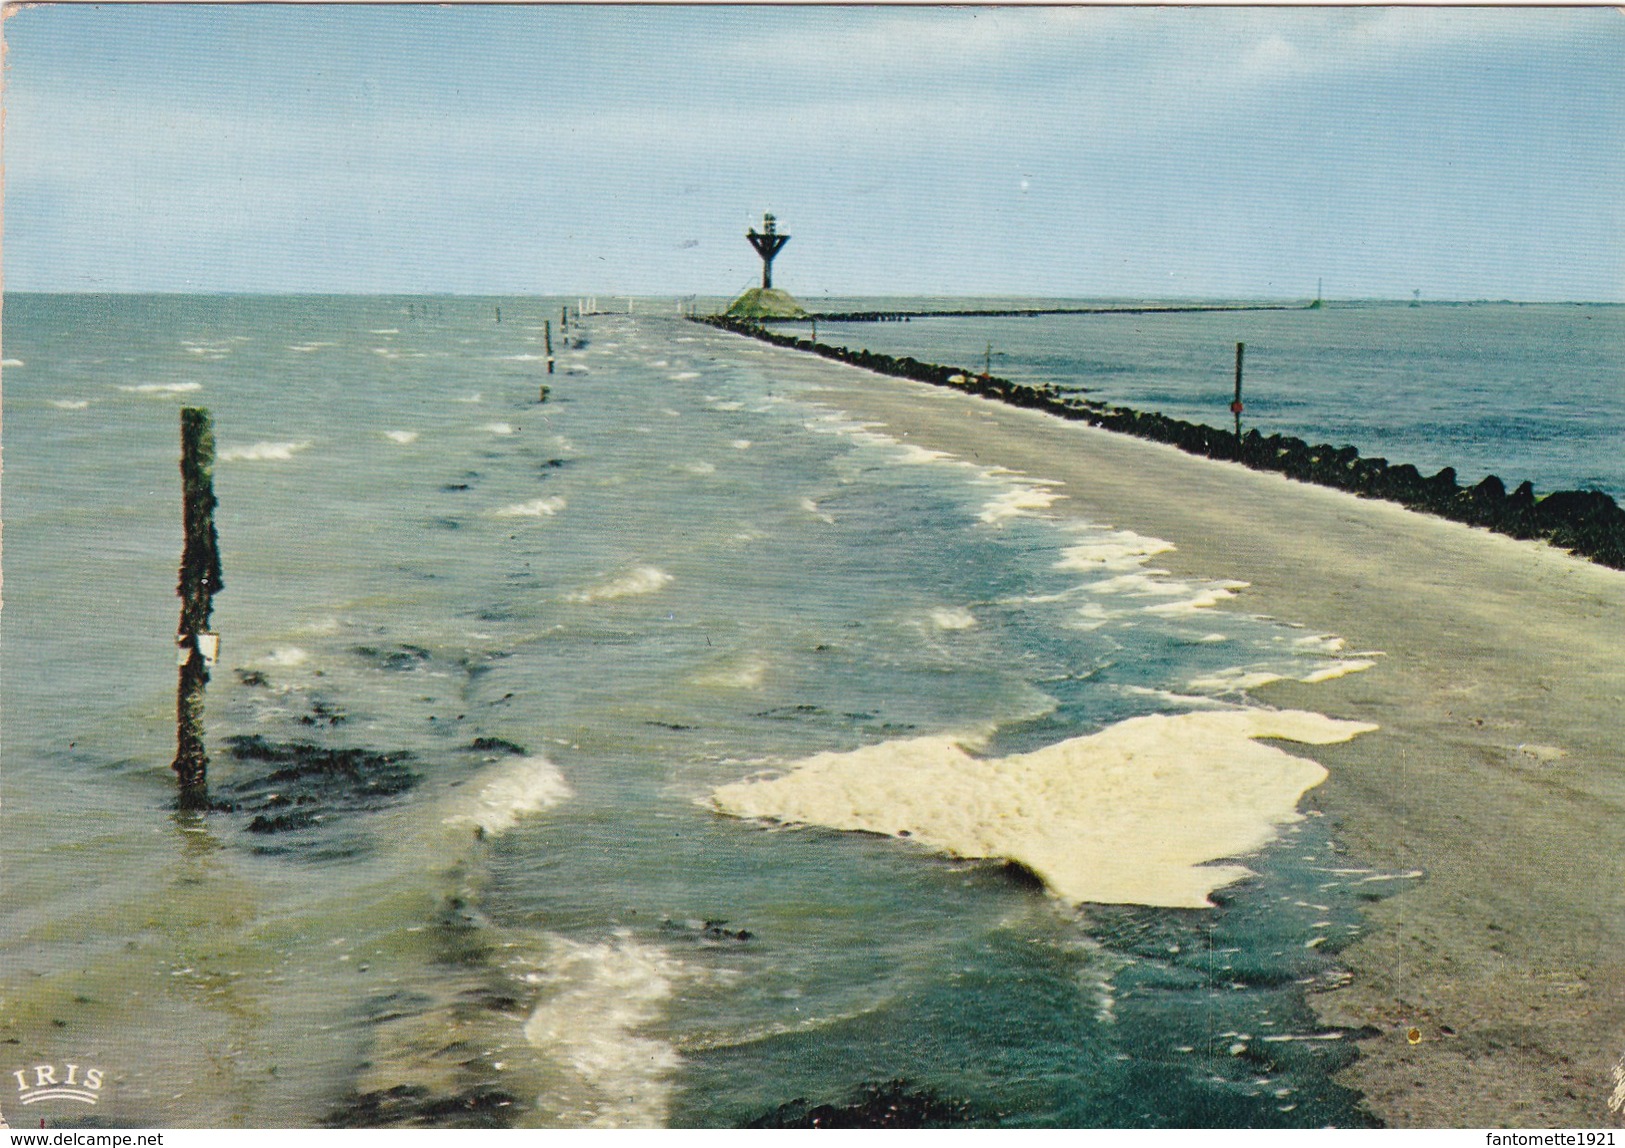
x: 547, y: 339
x: 1235, y: 405
x: 200, y: 581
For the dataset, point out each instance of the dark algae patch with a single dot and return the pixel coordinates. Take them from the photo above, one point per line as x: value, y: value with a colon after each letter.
x: 413, y: 1106
x: 298, y: 785
x: 497, y: 745
x: 400, y: 658
x: 1587, y: 522
x: 893, y: 1104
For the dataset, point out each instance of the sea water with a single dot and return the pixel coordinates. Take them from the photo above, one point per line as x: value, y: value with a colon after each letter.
x: 489, y: 668
x: 1522, y: 391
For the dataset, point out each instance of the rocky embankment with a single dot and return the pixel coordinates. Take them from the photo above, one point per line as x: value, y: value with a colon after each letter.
x: 1587, y: 522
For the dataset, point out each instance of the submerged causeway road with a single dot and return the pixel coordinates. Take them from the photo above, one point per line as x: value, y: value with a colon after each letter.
x: 1495, y: 988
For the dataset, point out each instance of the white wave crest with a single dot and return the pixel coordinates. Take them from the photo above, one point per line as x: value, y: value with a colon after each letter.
x: 70, y: 404
x: 1173, y: 595
x: 162, y: 388
x: 284, y: 657
x: 734, y: 674
x: 535, y: 508
x: 1232, y: 680
x: 1337, y: 669
x: 1118, y: 550
x: 811, y: 507
x: 1205, y: 598
x: 916, y: 455
x: 635, y: 582
x: 505, y: 793
x: 953, y: 618
x: 1022, y: 501
x: 593, y: 1023
x: 263, y: 452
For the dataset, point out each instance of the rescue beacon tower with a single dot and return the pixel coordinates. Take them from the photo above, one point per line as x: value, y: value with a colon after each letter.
x: 768, y: 243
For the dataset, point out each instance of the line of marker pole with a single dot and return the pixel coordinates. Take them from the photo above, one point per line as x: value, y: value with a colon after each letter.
x: 1235, y: 405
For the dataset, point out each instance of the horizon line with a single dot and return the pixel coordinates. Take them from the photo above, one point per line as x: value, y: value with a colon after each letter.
x: 676, y: 295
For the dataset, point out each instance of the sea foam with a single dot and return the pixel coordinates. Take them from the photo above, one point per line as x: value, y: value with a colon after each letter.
x: 1133, y: 814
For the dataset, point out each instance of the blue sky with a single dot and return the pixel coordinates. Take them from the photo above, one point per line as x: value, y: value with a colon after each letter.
x: 1081, y: 152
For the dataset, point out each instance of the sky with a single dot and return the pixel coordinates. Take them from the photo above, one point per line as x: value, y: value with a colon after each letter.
x: 1070, y: 152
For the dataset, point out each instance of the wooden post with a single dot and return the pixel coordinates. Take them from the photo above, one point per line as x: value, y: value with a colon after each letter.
x: 1235, y: 405
x: 564, y: 325
x: 200, y: 581
x: 547, y: 338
